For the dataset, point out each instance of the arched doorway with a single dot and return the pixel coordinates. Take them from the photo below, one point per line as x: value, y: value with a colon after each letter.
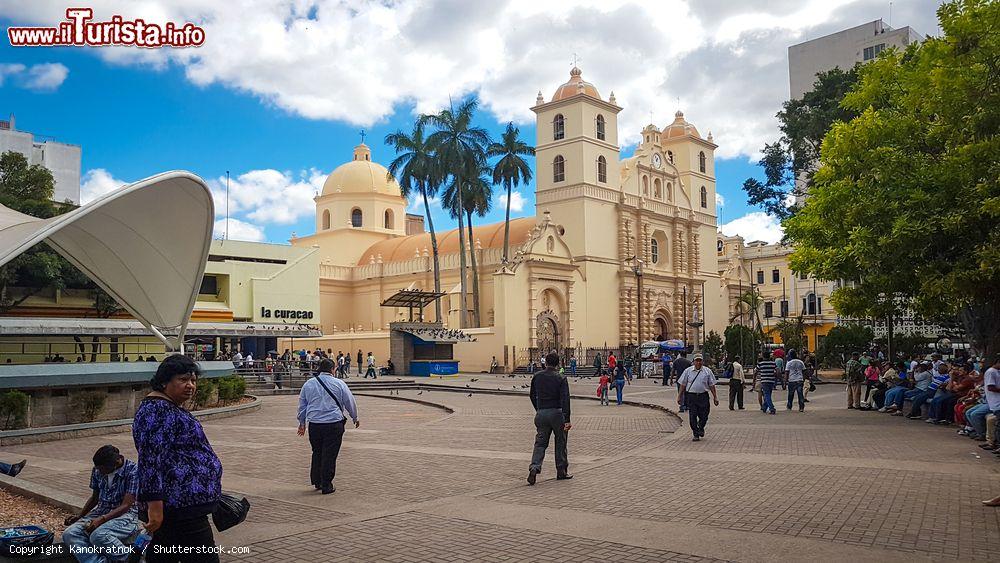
x: 547, y: 333
x: 661, y: 329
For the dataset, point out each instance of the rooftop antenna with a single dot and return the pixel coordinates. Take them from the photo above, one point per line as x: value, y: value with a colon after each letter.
x: 227, y: 206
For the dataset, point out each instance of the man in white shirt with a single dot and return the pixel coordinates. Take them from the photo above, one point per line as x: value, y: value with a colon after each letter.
x: 794, y: 375
x: 695, y: 383
x: 736, y: 382
x: 324, y: 405
x: 991, y: 388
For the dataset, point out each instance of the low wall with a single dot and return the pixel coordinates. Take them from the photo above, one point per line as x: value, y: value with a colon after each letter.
x: 56, y: 392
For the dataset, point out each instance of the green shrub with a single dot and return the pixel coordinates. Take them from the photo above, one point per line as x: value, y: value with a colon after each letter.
x: 88, y: 404
x: 231, y: 388
x: 203, y: 393
x: 13, y: 409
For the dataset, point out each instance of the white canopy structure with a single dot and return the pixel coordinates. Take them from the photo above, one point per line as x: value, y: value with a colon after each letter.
x: 146, y: 244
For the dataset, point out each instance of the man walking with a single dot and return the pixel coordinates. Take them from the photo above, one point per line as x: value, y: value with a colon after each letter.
x: 795, y: 376
x: 361, y: 358
x: 371, y: 366
x: 665, y: 368
x: 736, y: 382
x: 696, y: 382
x: 679, y: 367
x: 550, y: 397
x: 855, y: 378
x: 766, y: 373
x: 324, y: 403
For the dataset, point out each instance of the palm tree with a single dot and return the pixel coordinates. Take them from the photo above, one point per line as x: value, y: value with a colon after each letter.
x: 510, y: 171
x: 416, y: 169
x: 458, y: 144
x: 477, y: 198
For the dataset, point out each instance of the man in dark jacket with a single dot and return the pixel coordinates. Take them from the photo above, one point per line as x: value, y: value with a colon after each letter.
x: 550, y: 397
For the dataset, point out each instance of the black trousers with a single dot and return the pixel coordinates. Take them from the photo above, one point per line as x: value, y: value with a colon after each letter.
x: 189, y: 533
x: 698, y: 405
x: 735, y: 393
x: 547, y: 423
x: 325, y: 439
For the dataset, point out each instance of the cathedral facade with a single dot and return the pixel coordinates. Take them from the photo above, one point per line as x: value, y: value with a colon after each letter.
x: 618, y: 250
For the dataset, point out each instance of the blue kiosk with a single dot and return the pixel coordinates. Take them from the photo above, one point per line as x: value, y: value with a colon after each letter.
x: 421, y: 348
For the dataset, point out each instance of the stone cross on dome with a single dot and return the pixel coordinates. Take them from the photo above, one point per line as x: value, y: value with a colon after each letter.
x: 362, y: 136
x: 576, y: 60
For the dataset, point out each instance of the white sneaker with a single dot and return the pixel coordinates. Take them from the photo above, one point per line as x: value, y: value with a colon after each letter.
x: 883, y: 409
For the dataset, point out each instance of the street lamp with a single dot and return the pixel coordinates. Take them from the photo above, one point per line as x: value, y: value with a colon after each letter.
x: 637, y: 270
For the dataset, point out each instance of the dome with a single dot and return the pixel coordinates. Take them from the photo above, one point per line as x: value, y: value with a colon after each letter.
x: 361, y: 176
x: 489, y: 236
x: 680, y: 127
x: 576, y: 85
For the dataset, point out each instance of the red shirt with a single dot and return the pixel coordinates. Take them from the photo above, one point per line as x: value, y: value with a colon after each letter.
x: 612, y: 361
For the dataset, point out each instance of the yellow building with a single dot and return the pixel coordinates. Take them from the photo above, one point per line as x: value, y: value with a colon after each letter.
x: 570, y: 282
x: 784, y: 294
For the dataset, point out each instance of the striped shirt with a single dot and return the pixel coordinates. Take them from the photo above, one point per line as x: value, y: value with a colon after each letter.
x: 939, y: 380
x: 766, y: 370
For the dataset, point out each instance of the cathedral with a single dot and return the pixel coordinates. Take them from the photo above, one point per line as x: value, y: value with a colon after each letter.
x: 618, y: 250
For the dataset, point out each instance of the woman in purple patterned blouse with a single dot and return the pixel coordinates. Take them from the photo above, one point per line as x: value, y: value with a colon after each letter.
x: 180, y: 477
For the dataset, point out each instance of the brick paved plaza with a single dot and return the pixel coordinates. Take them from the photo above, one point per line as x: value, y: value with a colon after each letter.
x: 417, y: 483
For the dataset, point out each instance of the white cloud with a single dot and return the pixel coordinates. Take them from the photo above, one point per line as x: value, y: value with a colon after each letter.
x: 10, y: 69
x: 415, y: 204
x: 43, y: 77
x: 238, y: 230
x: 356, y: 61
x: 96, y: 183
x: 269, y: 196
x: 719, y: 200
x: 517, y: 201
x: 754, y: 226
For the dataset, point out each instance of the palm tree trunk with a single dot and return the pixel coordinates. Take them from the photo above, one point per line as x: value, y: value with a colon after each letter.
x: 462, y: 321
x: 434, y: 250
x: 475, y: 277
x: 506, y: 228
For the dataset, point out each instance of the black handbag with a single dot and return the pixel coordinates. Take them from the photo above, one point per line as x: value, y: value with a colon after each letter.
x: 230, y: 511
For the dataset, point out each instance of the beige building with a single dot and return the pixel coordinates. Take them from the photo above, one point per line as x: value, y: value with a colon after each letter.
x: 843, y: 50
x: 785, y: 294
x: 570, y: 282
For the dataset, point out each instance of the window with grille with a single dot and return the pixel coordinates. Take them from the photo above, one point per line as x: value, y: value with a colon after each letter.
x: 600, y: 127
x: 558, y: 127
x: 558, y: 169
x: 602, y: 169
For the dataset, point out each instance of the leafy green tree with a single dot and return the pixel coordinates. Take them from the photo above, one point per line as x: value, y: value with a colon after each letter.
x: 793, y: 333
x: 713, y: 348
x: 477, y: 197
x: 744, y: 342
x: 841, y: 341
x: 906, y: 201
x: 416, y: 170
x: 458, y: 145
x: 510, y: 171
x: 789, y: 163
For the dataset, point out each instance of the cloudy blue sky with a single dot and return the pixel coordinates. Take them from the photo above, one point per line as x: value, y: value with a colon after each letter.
x: 281, y: 88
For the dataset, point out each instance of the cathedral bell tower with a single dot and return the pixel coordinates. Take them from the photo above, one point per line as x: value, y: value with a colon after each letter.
x: 576, y: 155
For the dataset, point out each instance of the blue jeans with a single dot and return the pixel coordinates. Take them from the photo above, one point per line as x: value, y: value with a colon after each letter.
x: 895, y: 396
x: 795, y: 387
x: 766, y: 390
x: 106, y: 540
x: 619, y: 383
x: 976, y: 416
x: 4, y: 468
x: 936, y: 410
x: 919, y: 399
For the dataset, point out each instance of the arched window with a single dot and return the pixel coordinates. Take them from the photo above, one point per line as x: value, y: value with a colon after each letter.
x: 558, y: 169
x: 657, y: 189
x: 670, y: 156
x: 645, y: 185
x: 558, y: 127
x: 670, y: 191
x: 704, y: 197
x: 701, y: 161
x: 654, y: 250
x: 388, y: 218
x: 602, y: 169
x: 600, y: 127
x: 356, y: 217
x: 326, y: 219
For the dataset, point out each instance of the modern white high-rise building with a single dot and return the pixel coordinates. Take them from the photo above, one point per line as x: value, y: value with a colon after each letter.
x: 62, y: 159
x: 842, y: 50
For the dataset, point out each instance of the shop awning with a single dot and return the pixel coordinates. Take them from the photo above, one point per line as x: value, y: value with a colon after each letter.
x: 414, y: 298
x: 18, y: 326
x: 145, y: 244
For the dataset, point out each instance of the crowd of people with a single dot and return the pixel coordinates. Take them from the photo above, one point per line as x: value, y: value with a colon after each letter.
x: 278, y: 368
